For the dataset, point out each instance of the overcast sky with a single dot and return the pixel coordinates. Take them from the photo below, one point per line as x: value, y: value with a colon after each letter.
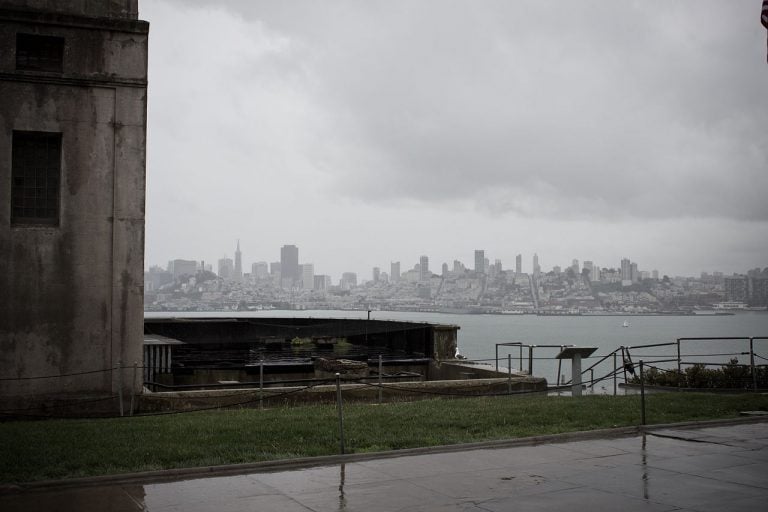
x: 366, y: 132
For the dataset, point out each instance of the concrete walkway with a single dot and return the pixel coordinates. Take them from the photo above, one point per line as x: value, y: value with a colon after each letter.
x: 698, y: 469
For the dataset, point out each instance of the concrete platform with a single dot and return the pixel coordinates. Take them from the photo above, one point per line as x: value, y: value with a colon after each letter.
x: 689, y: 469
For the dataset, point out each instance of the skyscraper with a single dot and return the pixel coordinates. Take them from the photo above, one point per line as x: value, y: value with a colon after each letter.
x: 308, y: 276
x: 238, y: 264
x: 394, y: 271
x: 480, y: 261
x: 226, y: 268
x: 289, y: 266
x: 424, y: 273
x: 259, y: 270
x: 376, y: 274
x: 536, y: 267
x: 626, y: 269
x: 519, y: 264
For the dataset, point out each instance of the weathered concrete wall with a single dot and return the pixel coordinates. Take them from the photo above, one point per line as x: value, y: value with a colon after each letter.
x: 73, y: 293
x: 95, y: 8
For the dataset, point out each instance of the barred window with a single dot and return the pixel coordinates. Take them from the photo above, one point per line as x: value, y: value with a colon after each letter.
x: 35, y: 175
x: 39, y: 53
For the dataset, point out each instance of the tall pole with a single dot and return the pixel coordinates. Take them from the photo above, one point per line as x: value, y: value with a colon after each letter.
x: 380, y: 371
x: 261, y: 381
x: 642, y: 394
x: 752, y: 364
x: 341, y: 413
x: 509, y: 370
x: 120, y: 385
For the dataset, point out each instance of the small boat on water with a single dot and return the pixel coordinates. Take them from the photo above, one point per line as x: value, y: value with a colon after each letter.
x: 625, y: 324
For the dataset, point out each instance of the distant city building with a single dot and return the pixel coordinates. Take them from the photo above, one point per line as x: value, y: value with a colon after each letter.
x: 736, y: 288
x: 557, y: 270
x: 536, y: 266
x: 519, y: 264
x: 289, y: 266
x: 179, y: 268
x: 156, y: 277
x: 274, y: 268
x: 575, y: 267
x: 634, y: 272
x: 376, y: 274
x: 308, y: 276
x: 260, y: 270
x: 480, y: 261
x: 226, y: 268
x: 445, y: 269
x: 322, y: 283
x: 238, y: 273
x: 394, y: 271
x: 424, y: 273
x: 590, y: 267
x: 458, y: 267
x: 655, y: 274
x: 626, y: 269
x: 348, y: 280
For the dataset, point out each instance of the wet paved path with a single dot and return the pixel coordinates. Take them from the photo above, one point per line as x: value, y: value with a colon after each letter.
x: 708, y: 469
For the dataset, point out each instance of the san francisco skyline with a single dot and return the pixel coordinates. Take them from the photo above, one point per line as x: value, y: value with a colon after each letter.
x: 373, y: 132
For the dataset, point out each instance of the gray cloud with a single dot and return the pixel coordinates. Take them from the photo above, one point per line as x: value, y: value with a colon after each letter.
x: 540, y: 108
x: 605, y: 113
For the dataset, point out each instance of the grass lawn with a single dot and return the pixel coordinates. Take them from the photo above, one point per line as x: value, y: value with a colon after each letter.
x: 49, y: 449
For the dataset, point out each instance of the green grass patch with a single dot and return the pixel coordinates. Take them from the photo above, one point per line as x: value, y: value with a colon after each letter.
x: 49, y: 449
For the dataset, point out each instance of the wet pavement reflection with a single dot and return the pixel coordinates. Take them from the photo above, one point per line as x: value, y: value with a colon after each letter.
x: 714, y: 468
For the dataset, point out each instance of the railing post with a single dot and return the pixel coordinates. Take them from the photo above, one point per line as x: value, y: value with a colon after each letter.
x: 509, y: 370
x: 530, y: 360
x: 615, y: 371
x: 752, y: 364
x: 380, y: 368
x: 341, y: 413
x: 120, y: 385
x: 497, y: 358
x: 624, y: 364
x: 642, y: 394
x: 591, y: 379
x: 559, y: 368
x: 520, y: 352
x: 133, y: 385
x: 679, y: 366
x: 261, y: 381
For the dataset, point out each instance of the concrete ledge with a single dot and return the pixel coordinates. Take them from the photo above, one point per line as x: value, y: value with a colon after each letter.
x: 169, y: 475
x: 352, y: 392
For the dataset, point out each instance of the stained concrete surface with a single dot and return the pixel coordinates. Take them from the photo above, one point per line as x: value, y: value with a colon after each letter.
x: 707, y: 469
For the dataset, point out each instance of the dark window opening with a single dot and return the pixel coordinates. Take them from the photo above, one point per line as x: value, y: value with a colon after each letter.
x: 35, y: 176
x: 39, y: 53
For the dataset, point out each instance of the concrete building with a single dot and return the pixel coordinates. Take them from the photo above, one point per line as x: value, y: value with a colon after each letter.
x: 308, y: 276
x: 73, y: 99
x: 376, y: 274
x: 226, y: 268
x: 289, y: 266
x: 424, y: 273
x: 519, y: 264
x: 480, y: 261
x: 736, y: 288
x: 180, y: 268
x: 260, y: 270
x: 348, y: 280
x: 394, y: 271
